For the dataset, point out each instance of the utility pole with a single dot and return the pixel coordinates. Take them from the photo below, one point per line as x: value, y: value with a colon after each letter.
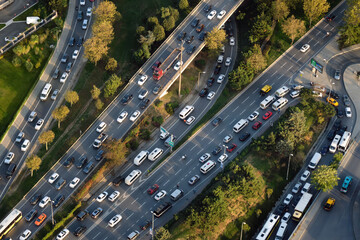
x: 199, y: 79
x: 181, y: 51
x: 287, y: 172
x: 52, y: 213
x: 241, y: 233
x: 152, y: 225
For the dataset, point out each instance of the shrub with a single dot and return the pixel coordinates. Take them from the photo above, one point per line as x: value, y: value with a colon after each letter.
x: 145, y: 134
x: 157, y: 102
x: 29, y: 66
x: 16, y: 61
x: 157, y: 121
x: 36, y: 50
x: 133, y: 144
x: 38, y: 64
x: 171, y: 106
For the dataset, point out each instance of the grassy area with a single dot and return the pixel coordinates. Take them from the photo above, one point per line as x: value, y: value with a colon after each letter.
x: 27, y: 13
x: 2, y: 26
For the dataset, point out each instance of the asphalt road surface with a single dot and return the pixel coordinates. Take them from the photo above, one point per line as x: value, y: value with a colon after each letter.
x: 15, y: 9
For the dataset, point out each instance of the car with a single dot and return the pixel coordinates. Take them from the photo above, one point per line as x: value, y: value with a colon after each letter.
x: 134, y: 116
x: 80, y: 41
x: 142, y: 79
x: 25, y: 235
x: 53, y: 178
x: 102, y: 196
x: 211, y: 95
x: 194, y: 180
x: 216, y: 150
x: 191, y: 49
x: 99, y: 140
x: 228, y: 61
x: 9, y: 157
x: 79, y: 231
x: 253, y: 116
x: 146, y: 225
x: 153, y: 189
x: 330, y: 202
x: 68, y: 67
x: 31, y: 215
x: 32, y: 116
x: 156, y: 89
x: 35, y: 199
x: 232, y: 41
x: 177, y: 65
x: 75, y: 54
x: 195, y: 22
x: 217, y: 69
x: 324, y: 150
x: 204, y: 157
x: 227, y: 138
x: 286, y: 217
x: 126, y: 99
x: 118, y: 180
x: 160, y: 195
x: 74, y: 182
x: 288, y: 199
x: 39, y: 124
x: 346, y: 183
x: 60, y: 183
x: 81, y: 162
x: 122, y: 116
x: 297, y: 86
x: 297, y: 187
x: 333, y: 94
x: 82, y: 215
x: 144, y: 103
x: 222, y: 158
x: 40, y: 219
x: 64, y: 58
x: 305, y: 175
x: 330, y: 18
x: 82, y: 2
x: 203, y: 92
x: 143, y: 93
x: 199, y: 29
x: 99, y: 155
x: 115, y: 220
x: 96, y: 213
x: 25, y: 145
x: 84, y: 24
x: 69, y: 162
x: 295, y: 94
x: 220, y: 59
x: 114, y: 196
x: 267, y: 115
x: 337, y: 74
x: 305, y: 48
x: 54, y: 94
x: 257, y: 125
x: 244, y: 137
x: 190, y: 120
x: 181, y: 36
x: 189, y: 39
x: 56, y: 73
x: 348, y: 112
x: 62, y: 235
x: 281, y: 209
x: 80, y: 15
x: 207, y: 8
x: 216, y: 121
x: 231, y: 147
x: 346, y: 100
x: 101, y: 127
x: 88, y: 12
x: 340, y: 113
x: 220, y: 78
x: 211, y: 15
x: 71, y: 42
x: 20, y: 137
x: 221, y: 14
x: 64, y: 77
x: 44, y: 201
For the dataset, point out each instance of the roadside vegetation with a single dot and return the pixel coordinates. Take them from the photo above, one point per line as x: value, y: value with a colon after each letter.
x: 350, y: 30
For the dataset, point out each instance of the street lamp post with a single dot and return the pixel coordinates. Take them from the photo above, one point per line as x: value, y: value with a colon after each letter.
x: 181, y: 50
x: 288, y: 167
x: 199, y: 79
x: 52, y: 213
x: 225, y: 147
x: 241, y: 233
x: 152, y: 225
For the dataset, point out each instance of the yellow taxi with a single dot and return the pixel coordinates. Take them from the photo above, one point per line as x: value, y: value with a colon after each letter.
x: 332, y: 101
x: 329, y: 204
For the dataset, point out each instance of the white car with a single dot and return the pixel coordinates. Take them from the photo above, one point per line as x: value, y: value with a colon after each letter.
x: 19, y: 137
x: 286, y: 217
x: 142, y: 80
x: 211, y: 15
x: 227, y: 138
x: 232, y: 41
x: 223, y: 157
x: 88, y: 12
x: 102, y: 196
x: 305, y: 175
x: 305, y: 48
x: 84, y: 25
x: 134, y: 116
x: 74, y: 182
x: 204, y: 157
x: 295, y: 94
x: 25, y: 145
x: 348, y: 112
x: 64, y: 76
x: 32, y: 116
x: 122, y: 116
x: 190, y: 120
x: 143, y: 93
x: 101, y: 127
x: 53, y: 178
x: 54, y: 94
x: 114, y: 196
x: 288, y: 199
x: 25, y: 235
x: 160, y: 195
x: 9, y: 157
x: 221, y: 78
x: 210, y: 95
x: 297, y: 187
x: 253, y: 116
x: 75, y: 54
x: 44, y: 201
x: 82, y: 2
x: 220, y: 59
x: 177, y: 65
x: 228, y: 61
x: 221, y: 14
x: 39, y: 124
x: 62, y: 234
x: 115, y: 220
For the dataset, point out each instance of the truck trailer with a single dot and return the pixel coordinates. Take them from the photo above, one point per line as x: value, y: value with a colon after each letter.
x: 166, y: 64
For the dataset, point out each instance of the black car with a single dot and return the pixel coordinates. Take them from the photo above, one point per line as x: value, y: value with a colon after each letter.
x: 80, y: 41
x: 69, y: 162
x: 80, y: 15
x: 195, y: 22
x: 202, y: 36
x: 337, y: 124
x: 118, y: 180
x: 282, y: 209
x: 99, y: 155
x: 79, y: 231
x: 207, y: 8
x: 340, y: 113
x: 334, y: 94
x: 181, y: 36
x: 204, y: 92
x: 126, y: 99
x: 96, y: 212
x: 331, y: 135
x: 210, y: 81
x: 216, y: 150
x: 144, y: 103
x: 244, y: 136
x: 35, y: 199
x: 189, y: 39
x: 330, y: 18
x: 156, y: 89
x: 31, y: 215
x: 81, y: 162
x: 324, y: 150
x: 145, y: 226
x: 71, y: 41
x: 216, y: 121
x: 58, y: 200
x: 82, y: 215
x: 191, y: 49
x: 217, y: 69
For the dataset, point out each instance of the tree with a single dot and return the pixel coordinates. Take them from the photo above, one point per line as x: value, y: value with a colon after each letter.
x: 183, y: 4
x: 159, y: 32
x: 115, y: 151
x: 99, y: 104
x: 111, y: 65
x: 148, y: 39
x: 153, y: 21
x: 58, y: 5
x: 106, y: 11
x: 313, y: 9
x: 60, y: 114
x: 71, y: 97
x: 294, y: 128
x: 140, y: 30
x: 111, y: 85
x: 255, y: 59
x: 325, y: 178
x: 95, y: 49
x: 261, y: 28
x: 95, y: 92
x: 29, y: 65
x: 174, y: 13
x: 165, y: 12
x: 162, y: 234
x: 280, y: 10
x: 215, y: 39
x: 104, y: 31
x: 350, y: 31
x: 169, y: 23
x: 46, y: 137
x: 293, y: 28
x: 33, y: 163
x: 241, y: 76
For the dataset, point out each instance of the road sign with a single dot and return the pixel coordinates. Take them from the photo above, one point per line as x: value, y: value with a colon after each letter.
x: 171, y: 143
x: 163, y: 129
x: 316, y: 65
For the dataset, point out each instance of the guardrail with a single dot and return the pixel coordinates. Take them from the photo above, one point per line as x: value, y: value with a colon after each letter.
x: 6, y: 3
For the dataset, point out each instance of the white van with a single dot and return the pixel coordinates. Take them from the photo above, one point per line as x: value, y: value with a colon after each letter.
x: 315, y: 160
x: 334, y: 143
x: 240, y: 125
x: 155, y: 154
x: 133, y: 235
x: 207, y: 166
x: 130, y: 179
x: 306, y: 188
x: 281, y: 231
x: 267, y: 102
x: 45, y: 92
x: 175, y: 195
x: 186, y: 111
x: 282, y: 91
x: 280, y: 103
x: 140, y: 157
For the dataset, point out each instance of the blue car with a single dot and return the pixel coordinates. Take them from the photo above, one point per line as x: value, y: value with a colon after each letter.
x: 345, y: 186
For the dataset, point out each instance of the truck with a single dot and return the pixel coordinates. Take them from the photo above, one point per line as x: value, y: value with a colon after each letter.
x: 301, y: 206
x: 166, y: 64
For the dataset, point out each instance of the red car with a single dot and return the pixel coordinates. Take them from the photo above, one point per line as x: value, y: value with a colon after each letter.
x: 153, y: 189
x: 231, y: 148
x: 267, y: 115
x: 257, y: 125
x: 40, y: 219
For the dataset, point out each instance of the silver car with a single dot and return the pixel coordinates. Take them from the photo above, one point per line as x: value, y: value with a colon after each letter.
x: 337, y: 74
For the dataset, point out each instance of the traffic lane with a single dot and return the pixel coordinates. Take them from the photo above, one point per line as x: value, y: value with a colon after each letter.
x: 12, y: 30
x: 15, y: 9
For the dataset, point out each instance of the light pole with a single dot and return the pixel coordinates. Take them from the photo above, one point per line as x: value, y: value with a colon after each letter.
x: 225, y: 147
x: 199, y: 79
x: 52, y: 212
x: 288, y: 167
x: 241, y: 233
x: 181, y: 50
x: 152, y: 225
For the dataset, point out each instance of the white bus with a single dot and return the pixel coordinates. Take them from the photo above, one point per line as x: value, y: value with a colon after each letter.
x: 186, y: 111
x: 282, y: 91
x: 267, y: 102
x: 268, y: 227
x: 281, y: 231
x: 9, y: 222
x: 280, y: 103
x: 334, y: 143
x: 344, y: 142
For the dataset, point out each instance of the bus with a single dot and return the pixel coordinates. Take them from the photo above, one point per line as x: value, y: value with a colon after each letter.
x: 344, y: 142
x: 268, y: 227
x: 9, y: 222
x: 280, y: 103
x: 267, y: 102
